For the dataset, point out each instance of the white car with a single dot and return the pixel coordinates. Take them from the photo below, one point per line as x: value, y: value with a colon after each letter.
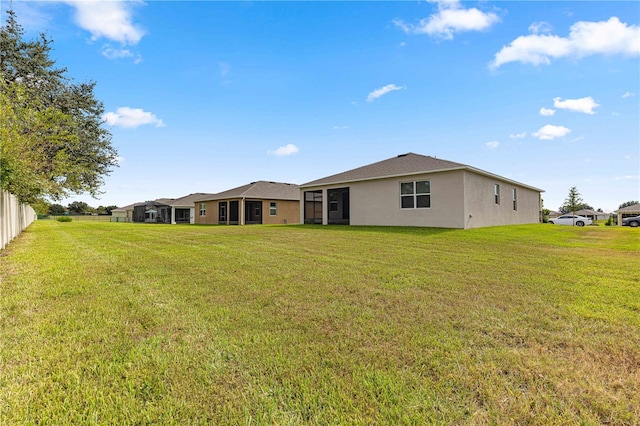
x: 569, y: 219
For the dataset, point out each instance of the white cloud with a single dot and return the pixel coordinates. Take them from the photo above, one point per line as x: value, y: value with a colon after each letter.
x: 340, y: 127
x: 628, y: 94
x: 382, y: 91
x: 584, y: 105
x: 585, y: 38
x: 492, y: 144
x: 109, y: 19
x: 546, y: 112
x: 112, y: 53
x: 540, y: 27
x: 550, y: 132
x: 131, y: 117
x: 285, y: 150
x: 518, y: 135
x: 451, y: 18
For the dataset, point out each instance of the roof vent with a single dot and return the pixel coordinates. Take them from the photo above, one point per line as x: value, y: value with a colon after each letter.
x: 402, y: 155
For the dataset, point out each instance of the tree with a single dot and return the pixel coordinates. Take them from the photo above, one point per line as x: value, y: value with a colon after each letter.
x: 573, y: 201
x: 79, y: 207
x: 57, y: 209
x: 52, y: 140
x: 627, y: 204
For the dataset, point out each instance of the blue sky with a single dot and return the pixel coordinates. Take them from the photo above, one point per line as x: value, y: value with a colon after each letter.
x: 205, y: 96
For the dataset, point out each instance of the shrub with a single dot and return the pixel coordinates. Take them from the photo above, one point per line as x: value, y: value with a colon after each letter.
x: 64, y: 219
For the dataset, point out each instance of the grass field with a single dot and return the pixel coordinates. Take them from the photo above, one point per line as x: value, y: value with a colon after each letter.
x: 108, y: 323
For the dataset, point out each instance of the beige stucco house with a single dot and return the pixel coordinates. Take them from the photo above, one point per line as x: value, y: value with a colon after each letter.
x: 418, y: 190
x: 259, y: 202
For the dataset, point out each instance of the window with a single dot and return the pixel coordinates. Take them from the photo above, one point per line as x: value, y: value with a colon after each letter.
x: 515, y: 199
x: 496, y: 193
x: 415, y: 195
x: 333, y: 201
x: 203, y: 209
x: 273, y: 208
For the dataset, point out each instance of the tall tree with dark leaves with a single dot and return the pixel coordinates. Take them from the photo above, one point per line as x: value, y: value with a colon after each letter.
x: 53, y: 142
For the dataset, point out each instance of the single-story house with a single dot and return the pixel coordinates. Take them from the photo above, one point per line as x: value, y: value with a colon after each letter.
x: 553, y: 213
x: 122, y: 214
x: 259, y: 202
x: 633, y: 210
x: 162, y: 210
x: 418, y: 190
x: 593, y: 214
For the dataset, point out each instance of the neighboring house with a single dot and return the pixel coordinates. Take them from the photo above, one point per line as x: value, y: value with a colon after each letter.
x: 162, y: 210
x: 628, y: 211
x: 151, y: 212
x: 256, y: 203
x: 418, y: 190
x: 592, y: 214
x: 122, y: 214
x: 183, y: 209
x: 553, y: 213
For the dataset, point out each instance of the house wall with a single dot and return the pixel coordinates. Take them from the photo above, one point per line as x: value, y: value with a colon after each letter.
x: 455, y: 195
x: 377, y: 202
x: 481, y: 209
x: 211, y: 216
x: 121, y: 216
x: 288, y: 211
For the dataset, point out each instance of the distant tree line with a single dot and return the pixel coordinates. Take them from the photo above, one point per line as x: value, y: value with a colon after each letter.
x: 79, y: 207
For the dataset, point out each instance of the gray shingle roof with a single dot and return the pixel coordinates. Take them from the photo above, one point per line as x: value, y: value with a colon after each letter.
x: 259, y: 190
x: 629, y: 209
x: 188, y: 200
x: 124, y: 209
x: 402, y: 165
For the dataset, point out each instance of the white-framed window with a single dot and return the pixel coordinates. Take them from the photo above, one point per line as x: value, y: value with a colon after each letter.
x: 496, y: 193
x: 515, y: 199
x: 203, y: 209
x: 415, y: 195
x: 273, y: 208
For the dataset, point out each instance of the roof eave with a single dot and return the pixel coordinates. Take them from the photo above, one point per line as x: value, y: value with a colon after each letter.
x: 469, y: 168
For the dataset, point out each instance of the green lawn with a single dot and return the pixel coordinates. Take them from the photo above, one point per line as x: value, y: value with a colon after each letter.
x: 114, y: 323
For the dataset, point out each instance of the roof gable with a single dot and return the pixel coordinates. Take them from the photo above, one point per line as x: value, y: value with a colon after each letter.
x: 260, y: 189
x: 405, y: 164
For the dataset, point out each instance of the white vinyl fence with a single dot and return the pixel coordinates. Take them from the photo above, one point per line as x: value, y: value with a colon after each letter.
x: 14, y: 217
